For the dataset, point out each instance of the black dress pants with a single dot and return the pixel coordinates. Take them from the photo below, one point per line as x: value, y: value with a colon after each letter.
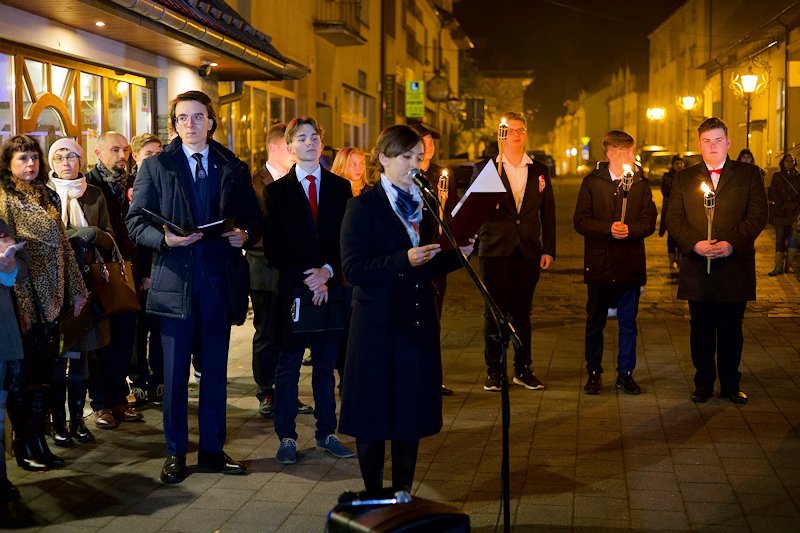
x: 265, y: 351
x: 716, y: 327
x: 511, y: 281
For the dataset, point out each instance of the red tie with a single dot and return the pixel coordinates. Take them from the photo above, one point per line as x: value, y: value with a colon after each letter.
x: 312, y: 196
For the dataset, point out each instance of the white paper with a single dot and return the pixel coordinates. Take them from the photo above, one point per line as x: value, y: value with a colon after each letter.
x: 487, y: 181
x: 12, y: 250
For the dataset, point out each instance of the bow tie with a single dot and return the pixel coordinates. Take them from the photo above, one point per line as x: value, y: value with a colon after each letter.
x: 715, y: 171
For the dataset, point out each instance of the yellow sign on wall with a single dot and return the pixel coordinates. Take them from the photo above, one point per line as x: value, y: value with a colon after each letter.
x: 415, y: 99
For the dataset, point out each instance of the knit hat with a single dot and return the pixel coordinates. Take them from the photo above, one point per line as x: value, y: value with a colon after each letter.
x: 67, y: 143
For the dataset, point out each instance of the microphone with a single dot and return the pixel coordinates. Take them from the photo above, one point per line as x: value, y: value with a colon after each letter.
x: 400, y: 496
x: 419, y: 180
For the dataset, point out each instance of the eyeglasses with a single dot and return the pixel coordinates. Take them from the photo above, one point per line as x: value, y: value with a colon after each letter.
x: 72, y: 156
x: 197, y: 118
x: 520, y: 131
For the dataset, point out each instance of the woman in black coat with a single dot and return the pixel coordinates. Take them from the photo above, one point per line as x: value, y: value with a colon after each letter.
x: 784, y: 203
x: 393, y: 372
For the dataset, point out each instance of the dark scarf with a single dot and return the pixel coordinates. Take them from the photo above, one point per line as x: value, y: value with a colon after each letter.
x: 118, y: 181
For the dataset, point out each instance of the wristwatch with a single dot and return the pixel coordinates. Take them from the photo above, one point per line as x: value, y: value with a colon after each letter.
x: 246, y: 235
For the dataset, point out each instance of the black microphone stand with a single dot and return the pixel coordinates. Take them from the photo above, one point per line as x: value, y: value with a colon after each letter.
x: 506, y: 332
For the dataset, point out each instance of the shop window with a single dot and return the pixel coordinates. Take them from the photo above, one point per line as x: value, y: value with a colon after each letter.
x: 50, y: 126
x: 119, y: 107
x: 6, y: 91
x: 38, y: 75
x: 143, y: 109
x: 260, y: 126
x: 242, y: 126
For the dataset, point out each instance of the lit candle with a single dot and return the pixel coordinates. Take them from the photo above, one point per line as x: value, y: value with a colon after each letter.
x: 444, y: 190
x: 709, y: 202
x: 627, y: 182
x: 502, y: 135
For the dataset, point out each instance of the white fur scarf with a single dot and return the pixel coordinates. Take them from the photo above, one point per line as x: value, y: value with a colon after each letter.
x: 69, y: 191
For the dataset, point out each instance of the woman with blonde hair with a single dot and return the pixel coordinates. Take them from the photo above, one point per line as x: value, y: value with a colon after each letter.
x: 350, y: 164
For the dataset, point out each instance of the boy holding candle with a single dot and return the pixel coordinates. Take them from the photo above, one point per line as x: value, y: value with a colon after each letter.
x: 614, y: 213
x: 717, y: 296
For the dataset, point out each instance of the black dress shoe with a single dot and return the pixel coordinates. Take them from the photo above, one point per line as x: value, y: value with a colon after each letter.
x: 594, y: 384
x: 174, y: 469
x: 701, y: 395
x: 738, y: 397
x: 446, y: 391
x: 219, y: 462
x: 626, y: 384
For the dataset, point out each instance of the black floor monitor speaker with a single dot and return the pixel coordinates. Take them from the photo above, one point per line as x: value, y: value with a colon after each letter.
x: 401, y: 514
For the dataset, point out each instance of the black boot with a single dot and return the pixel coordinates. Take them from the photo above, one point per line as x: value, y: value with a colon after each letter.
x: 58, y: 415
x: 77, y: 399
x: 24, y: 450
x: 38, y: 407
x: 8, y: 492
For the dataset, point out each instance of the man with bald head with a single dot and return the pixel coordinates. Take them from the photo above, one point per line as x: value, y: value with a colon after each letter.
x: 108, y: 368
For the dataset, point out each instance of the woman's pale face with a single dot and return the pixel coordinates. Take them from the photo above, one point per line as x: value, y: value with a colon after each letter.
x: 66, y: 164
x: 397, y: 168
x: 356, y: 167
x: 25, y: 166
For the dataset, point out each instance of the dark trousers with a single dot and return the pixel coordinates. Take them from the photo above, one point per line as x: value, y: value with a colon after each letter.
x: 601, y: 297
x: 265, y: 351
x: 511, y: 281
x: 371, y: 454
x: 108, y: 367
x: 785, y: 235
x: 10, y: 378
x: 716, y: 327
x: 147, y: 363
x: 323, y: 384
x: 208, y: 331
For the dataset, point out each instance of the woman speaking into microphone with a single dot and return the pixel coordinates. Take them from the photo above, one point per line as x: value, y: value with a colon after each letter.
x: 393, y: 372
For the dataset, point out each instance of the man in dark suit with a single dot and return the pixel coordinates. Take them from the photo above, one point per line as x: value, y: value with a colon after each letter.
x: 198, y: 287
x: 264, y: 281
x: 305, y: 209
x: 515, y: 243
x: 108, y: 387
x: 717, y: 300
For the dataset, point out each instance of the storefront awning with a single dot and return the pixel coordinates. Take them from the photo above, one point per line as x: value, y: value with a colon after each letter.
x: 192, y: 32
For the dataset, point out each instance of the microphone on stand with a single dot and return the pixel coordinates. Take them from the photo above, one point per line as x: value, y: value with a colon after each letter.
x: 419, y: 180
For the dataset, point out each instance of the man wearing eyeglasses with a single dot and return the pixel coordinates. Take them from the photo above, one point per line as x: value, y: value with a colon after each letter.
x: 717, y: 275
x: 516, y: 243
x: 198, y: 287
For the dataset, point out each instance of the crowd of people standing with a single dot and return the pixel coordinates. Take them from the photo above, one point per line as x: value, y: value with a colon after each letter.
x: 297, y: 236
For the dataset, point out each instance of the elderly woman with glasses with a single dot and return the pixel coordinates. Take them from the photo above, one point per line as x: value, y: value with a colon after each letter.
x: 85, y: 216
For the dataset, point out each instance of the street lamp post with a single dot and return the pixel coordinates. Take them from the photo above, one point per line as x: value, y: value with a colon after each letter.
x: 750, y: 84
x: 689, y: 103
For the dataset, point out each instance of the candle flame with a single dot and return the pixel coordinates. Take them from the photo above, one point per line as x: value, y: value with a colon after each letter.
x: 503, y: 123
x: 444, y: 173
x: 626, y: 169
x: 705, y: 188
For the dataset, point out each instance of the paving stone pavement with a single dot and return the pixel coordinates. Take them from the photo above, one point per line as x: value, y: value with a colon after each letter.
x: 611, y: 462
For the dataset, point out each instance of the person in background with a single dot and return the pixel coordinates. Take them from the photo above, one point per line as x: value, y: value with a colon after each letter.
x: 434, y: 179
x: 108, y: 386
x: 614, y: 261
x: 264, y: 281
x: 85, y: 216
x: 746, y: 156
x: 351, y: 165
x: 717, y: 299
x: 673, y: 252
x: 147, y: 364
x: 516, y: 243
x: 392, y: 389
x: 10, y: 348
x: 198, y: 288
x: 54, y: 281
x: 301, y: 239
x: 784, y: 199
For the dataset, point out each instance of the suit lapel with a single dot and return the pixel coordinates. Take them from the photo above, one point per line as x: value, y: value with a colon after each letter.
x: 531, y: 190
x: 397, y: 226
x: 508, y: 200
x: 725, y: 177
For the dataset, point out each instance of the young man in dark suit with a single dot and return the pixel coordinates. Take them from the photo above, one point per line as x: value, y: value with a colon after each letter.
x: 304, y: 210
x: 615, y: 266
x: 516, y: 243
x: 198, y: 287
x: 717, y: 300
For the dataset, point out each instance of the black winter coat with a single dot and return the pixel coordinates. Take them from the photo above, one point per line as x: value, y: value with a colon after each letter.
x: 393, y: 372
x: 739, y: 217
x: 784, y: 198
x: 163, y: 186
x: 606, y: 259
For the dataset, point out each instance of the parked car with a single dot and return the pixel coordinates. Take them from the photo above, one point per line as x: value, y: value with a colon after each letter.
x: 657, y: 164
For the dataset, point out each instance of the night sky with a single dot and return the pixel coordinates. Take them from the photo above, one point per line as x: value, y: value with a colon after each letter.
x: 569, y: 44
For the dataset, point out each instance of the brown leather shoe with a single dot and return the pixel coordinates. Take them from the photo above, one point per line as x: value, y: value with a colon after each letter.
x: 104, y: 419
x: 126, y: 413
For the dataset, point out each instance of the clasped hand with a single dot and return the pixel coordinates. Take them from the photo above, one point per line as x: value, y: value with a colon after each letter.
x: 315, y: 281
x: 619, y: 230
x: 714, y: 249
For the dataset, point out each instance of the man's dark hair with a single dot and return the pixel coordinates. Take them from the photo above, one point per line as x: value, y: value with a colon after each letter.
x: 275, y: 133
x: 712, y: 123
x: 617, y: 139
x: 194, y: 96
